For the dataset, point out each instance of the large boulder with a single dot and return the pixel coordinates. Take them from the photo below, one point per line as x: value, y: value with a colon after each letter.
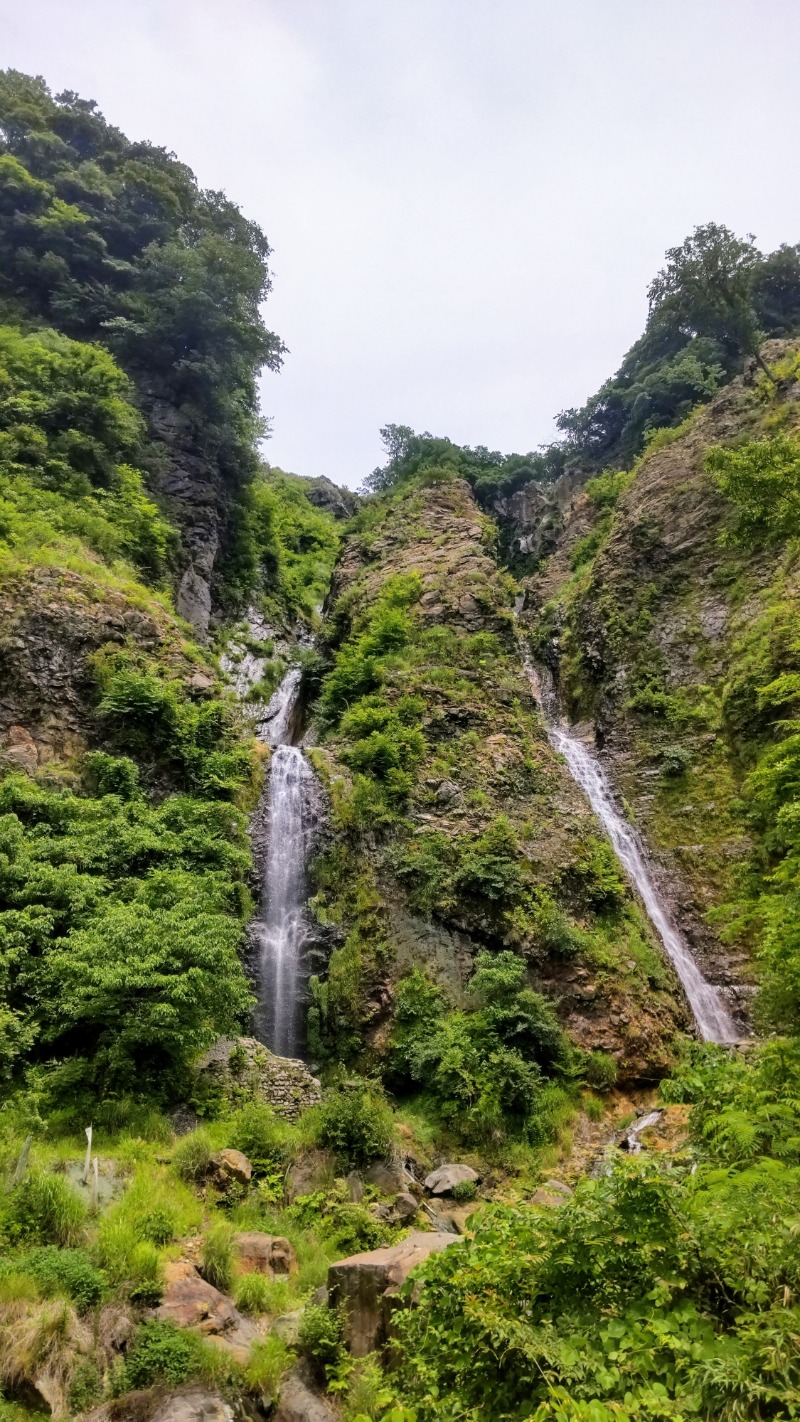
x: 191, y: 1403
x: 191, y: 1302
x: 444, y: 1180
x: 269, y: 1254
x: 368, y: 1285
x: 297, y: 1402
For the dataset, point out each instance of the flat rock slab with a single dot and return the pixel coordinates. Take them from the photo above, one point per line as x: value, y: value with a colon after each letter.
x: 186, y: 1404
x: 368, y: 1286
x: 443, y: 1180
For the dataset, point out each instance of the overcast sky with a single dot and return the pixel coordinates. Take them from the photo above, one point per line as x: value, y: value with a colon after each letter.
x: 466, y: 198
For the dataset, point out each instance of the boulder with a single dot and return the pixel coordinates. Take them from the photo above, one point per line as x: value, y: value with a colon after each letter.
x: 355, y: 1186
x: 443, y: 1180
x: 387, y: 1176
x: 368, y: 1285
x: 231, y: 1167
x: 405, y: 1207
x: 268, y: 1254
x: 191, y: 1403
x: 190, y: 1302
x: 297, y: 1402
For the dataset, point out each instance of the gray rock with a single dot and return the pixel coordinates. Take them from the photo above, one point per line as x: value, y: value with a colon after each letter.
x: 241, y: 1068
x: 355, y: 1187
x: 298, y: 1403
x: 368, y: 1286
x: 442, y: 1181
x: 387, y: 1176
x: 405, y: 1207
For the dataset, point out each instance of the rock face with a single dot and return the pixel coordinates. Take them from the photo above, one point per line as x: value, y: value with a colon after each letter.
x: 190, y: 1302
x: 237, y: 1068
x: 268, y: 1254
x: 444, y: 1180
x: 325, y: 495
x: 367, y: 1285
x: 532, y: 518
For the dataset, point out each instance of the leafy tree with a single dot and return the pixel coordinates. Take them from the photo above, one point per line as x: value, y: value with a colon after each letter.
x: 706, y: 288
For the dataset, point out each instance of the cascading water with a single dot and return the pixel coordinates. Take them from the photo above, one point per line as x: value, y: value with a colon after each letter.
x: 713, y: 1019
x: 280, y: 932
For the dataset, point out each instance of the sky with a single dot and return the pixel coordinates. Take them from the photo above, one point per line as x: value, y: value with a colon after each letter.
x: 466, y: 199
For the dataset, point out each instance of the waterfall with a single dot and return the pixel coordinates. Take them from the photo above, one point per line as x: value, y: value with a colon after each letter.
x: 280, y: 931
x: 713, y: 1019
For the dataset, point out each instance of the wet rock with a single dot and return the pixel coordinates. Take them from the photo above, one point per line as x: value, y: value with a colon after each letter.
x: 444, y: 1180
x: 297, y: 1402
x: 268, y: 1254
x: 231, y: 1167
x: 191, y: 1302
x: 368, y: 1285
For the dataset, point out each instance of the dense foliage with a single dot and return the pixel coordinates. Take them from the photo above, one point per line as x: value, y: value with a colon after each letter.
x: 111, y: 240
x: 655, y: 1292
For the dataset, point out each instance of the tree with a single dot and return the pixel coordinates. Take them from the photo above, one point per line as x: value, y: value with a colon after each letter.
x: 707, y: 284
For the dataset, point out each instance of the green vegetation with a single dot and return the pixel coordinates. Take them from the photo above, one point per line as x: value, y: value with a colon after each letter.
x: 762, y: 479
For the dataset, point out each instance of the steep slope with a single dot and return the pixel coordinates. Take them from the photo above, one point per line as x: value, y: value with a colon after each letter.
x: 455, y: 826
x: 664, y: 623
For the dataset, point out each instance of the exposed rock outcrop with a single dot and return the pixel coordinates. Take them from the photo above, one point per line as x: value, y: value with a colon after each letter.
x: 368, y: 1286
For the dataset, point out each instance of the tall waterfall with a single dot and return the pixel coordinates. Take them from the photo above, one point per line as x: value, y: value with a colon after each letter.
x: 281, y: 930
x: 713, y: 1019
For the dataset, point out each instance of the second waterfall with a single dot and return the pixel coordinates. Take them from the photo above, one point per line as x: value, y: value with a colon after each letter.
x: 280, y: 932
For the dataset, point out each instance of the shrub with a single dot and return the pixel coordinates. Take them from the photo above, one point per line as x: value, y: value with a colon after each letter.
x: 162, y: 1353
x: 66, y: 1271
x: 321, y: 1339
x: 218, y: 1256
x: 355, y: 1121
x: 464, y: 1191
x: 43, y: 1209
x: 762, y: 479
x: 354, y: 1229
x: 600, y: 1071
x: 261, y: 1135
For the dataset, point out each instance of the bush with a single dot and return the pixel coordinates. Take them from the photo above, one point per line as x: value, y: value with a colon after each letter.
x: 43, y: 1209
x: 464, y: 1191
x: 321, y: 1339
x: 600, y: 1071
x: 162, y: 1353
x: 762, y: 479
x: 255, y: 1293
x: 66, y: 1271
x: 355, y: 1121
x: 262, y: 1136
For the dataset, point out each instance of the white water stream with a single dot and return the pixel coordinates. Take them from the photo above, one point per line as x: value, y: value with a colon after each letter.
x: 281, y: 930
x: 713, y: 1019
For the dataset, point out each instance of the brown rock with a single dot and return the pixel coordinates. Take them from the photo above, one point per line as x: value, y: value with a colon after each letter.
x: 19, y: 751
x: 190, y: 1302
x: 231, y: 1166
x: 268, y: 1254
x: 368, y: 1286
